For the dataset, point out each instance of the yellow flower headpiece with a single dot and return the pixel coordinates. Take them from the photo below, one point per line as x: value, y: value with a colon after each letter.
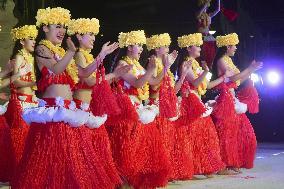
x: 83, y: 26
x: 226, y: 40
x: 157, y: 41
x: 56, y: 15
x: 190, y: 40
x: 24, y: 32
x: 132, y: 38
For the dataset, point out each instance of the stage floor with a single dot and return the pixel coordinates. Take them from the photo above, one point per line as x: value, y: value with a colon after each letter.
x: 268, y: 173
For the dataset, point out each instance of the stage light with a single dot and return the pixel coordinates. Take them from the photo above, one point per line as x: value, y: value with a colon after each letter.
x: 273, y: 77
x: 212, y: 32
x: 255, y: 77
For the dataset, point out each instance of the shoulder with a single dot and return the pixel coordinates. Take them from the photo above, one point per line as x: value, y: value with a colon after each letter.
x: 43, y: 51
x: 122, y: 62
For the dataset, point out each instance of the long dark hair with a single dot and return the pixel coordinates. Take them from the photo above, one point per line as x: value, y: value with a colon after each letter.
x: 117, y: 56
x: 18, y: 46
x: 183, y: 53
x: 40, y: 36
x: 75, y: 40
x: 220, y: 53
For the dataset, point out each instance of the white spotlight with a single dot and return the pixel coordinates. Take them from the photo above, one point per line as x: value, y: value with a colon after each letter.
x: 273, y: 77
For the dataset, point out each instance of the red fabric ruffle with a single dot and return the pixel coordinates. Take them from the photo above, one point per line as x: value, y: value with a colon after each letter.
x: 6, y: 158
x: 18, y: 127
x: 83, y: 85
x: 181, y: 155
x: 205, y: 146
x: 48, y: 79
x: 246, y: 142
x: 227, y: 126
x: 103, y: 100
x: 167, y: 99
x: 152, y: 156
x: 191, y: 106
x: 56, y: 157
x: 249, y: 96
x: 102, y: 147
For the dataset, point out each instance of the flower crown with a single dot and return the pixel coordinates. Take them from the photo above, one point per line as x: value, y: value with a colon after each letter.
x: 131, y: 38
x: 24, y: 32
x: 190, y: 40
x: 226, y: 40
x: 157, y: 41
x: 49, y: 16
x: 83, y: 26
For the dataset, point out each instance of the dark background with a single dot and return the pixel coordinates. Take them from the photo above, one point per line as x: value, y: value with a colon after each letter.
x: 260, y: 27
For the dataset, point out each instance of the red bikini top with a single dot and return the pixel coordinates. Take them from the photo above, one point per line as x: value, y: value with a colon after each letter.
x: 48, y: 78
x: 130, y: 90
x: 82, y: 85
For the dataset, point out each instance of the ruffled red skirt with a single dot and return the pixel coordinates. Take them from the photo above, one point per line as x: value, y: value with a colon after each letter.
x: 152, y: 155
x: 246, y: 142
x: 226, y: 122
x: 205, y: 146
x: 18, y: 131
x: 101, y: 144
x: 228, y: 130
x: 181, y: 155
x: 6, y: 153
x: 59, y: 156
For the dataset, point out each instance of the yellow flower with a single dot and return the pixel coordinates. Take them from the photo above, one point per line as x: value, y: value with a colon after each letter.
x: 226, y: 40
x: 201, y: 89
x: 83, y: 26
x: 71, y: 69
x: 232, y: 66
x: 160, y: 68
x: 89, y: 58
x: 190, y: 40
x: 24, y: 32
x: 49, y: 16
x: 143, y: 92
x: 131, y: 38
x: 157, y: 41
x: 28, y: 57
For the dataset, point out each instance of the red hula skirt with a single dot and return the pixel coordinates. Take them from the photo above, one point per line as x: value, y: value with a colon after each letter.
x: 6, y: 153
x: 60, y: 156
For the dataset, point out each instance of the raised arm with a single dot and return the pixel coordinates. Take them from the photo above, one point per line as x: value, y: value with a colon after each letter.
x: 212, y: 14
x: 89, y: 69
x: 243, y: 75
x: 168, y: 61
x: 45, y: 58
x: 202, y: 10
x: 139, y: 82
x: 197, y: 81
x: 184, y: 71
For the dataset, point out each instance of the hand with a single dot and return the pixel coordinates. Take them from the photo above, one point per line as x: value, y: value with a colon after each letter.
x: 152, y: 64
x: 70, y: 45
x: 204, y: 66
x: 4, y: 96
x: 172, y: 57
x: 255, y: 65
x: 108, y: 49
x: 121, y: 70
x: 228, y: 73
x: 185, y: 69
x: 166, y: 61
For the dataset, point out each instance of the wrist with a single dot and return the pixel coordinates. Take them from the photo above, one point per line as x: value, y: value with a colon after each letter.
x: 102, y: 55
x: 71, y: 52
